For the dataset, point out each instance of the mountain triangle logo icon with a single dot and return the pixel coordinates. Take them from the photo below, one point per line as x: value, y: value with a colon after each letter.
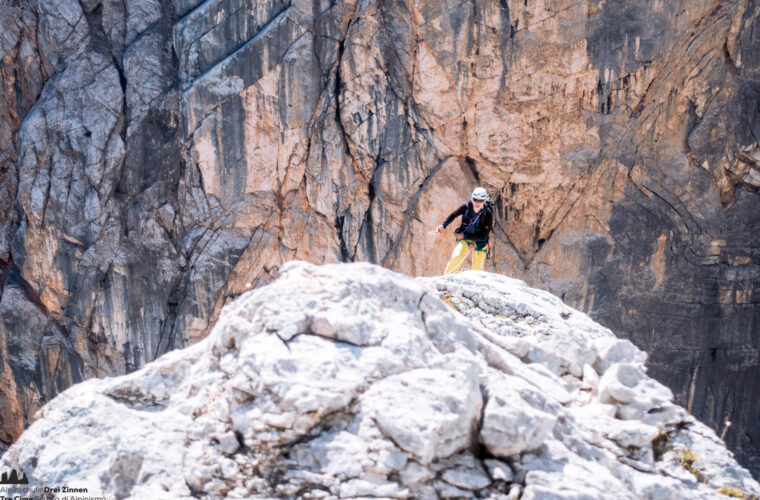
x: 13, y: 478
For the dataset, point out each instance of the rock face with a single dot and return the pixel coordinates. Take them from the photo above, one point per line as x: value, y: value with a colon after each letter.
x: 160, y: 157
x: 349, y: 380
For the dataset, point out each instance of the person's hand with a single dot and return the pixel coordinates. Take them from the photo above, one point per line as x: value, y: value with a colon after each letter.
x: 439, y: 229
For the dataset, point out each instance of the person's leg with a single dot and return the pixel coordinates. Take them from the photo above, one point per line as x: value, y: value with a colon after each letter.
x: 479, y: 259
x: 457, y: 257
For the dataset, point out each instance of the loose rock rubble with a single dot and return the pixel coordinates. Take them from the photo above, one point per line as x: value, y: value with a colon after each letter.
x: 351, y: 381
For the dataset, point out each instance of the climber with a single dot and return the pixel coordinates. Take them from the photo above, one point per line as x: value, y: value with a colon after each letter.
x: 473, y: 233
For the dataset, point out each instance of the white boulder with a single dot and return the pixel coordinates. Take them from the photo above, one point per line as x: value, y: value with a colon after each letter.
x: 350, y: 381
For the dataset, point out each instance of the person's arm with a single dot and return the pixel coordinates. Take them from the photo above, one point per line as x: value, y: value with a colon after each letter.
x: 453, y: 215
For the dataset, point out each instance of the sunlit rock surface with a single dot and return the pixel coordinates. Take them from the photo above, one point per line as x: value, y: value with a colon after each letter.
x: 349, y: 380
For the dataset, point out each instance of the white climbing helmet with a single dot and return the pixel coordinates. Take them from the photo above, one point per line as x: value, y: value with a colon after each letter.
x: 479, y: 193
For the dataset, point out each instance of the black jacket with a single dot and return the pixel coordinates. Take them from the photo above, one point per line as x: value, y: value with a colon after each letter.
x: 474, y: 226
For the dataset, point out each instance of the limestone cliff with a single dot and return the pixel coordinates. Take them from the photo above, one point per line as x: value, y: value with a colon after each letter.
x: 159, y: 157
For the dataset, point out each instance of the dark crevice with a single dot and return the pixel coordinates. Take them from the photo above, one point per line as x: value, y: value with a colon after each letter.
x: 368, y: 228
x: 692, y: 122
x: 99, y: 42
x: 640, y: 105
x: 506, y: 47
x: 481, y: 452
x: 540, y: 242
x: 338, y: 87
x: 423, y: 316
x: 478, y: 449
x: 240, y: 439
x: 5, y: 268
x: 312, y: 333
x: 122, y: 80
x: 337, y: 90
x: 166, y: 336
x: 729, y: 60
x: 100, y: 287
x: 600, y: 95
x: 472, y: 166
x: 339, y: 223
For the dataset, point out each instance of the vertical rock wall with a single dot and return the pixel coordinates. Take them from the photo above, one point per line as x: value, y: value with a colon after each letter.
x: 93, y: 120
x: 22, y: 75
x: 160, y: 157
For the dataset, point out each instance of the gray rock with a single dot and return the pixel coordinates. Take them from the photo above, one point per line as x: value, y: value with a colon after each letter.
x: 423, y: 423
x: 499, y: 471
x: 635, y: 394
x: 510, y: 424
x: 467, y: 476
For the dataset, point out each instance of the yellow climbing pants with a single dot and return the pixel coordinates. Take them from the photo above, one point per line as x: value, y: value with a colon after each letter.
x: 462, y: 248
